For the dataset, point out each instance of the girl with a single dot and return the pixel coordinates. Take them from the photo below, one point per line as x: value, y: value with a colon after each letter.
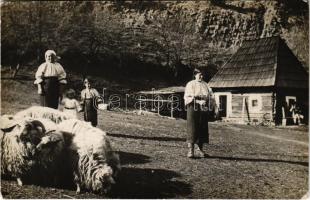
x: 70, y: 105
x: 88, y: 97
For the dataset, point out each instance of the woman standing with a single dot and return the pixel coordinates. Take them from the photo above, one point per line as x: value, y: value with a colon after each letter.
x: 49, y: 77
x: 88, y: 97
x: 197, y: 95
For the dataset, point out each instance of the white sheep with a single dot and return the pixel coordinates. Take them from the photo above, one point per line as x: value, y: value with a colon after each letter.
x: 44, y: 112
x: 28, y: 152
x: 95, y: 163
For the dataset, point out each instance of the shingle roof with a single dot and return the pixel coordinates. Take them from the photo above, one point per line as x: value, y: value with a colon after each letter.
x: 261, y: 63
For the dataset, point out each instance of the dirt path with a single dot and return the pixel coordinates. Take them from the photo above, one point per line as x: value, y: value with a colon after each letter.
x: 275, y: 137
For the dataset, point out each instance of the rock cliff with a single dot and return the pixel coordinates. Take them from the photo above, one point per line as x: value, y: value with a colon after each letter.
x: 220, y: 26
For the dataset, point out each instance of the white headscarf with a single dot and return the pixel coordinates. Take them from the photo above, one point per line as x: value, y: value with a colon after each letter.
x: 49, y: 52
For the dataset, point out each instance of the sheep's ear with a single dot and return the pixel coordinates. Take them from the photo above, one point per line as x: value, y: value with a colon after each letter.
x: 67, y: 137
x: 7, y: 123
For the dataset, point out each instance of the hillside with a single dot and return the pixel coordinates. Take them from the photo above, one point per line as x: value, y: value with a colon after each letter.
x: 148, y: 38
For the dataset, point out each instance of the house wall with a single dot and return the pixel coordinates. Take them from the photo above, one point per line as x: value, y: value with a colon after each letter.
x: 257, y: 105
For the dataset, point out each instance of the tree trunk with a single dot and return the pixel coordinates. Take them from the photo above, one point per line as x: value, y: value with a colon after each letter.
x: 15, y: 71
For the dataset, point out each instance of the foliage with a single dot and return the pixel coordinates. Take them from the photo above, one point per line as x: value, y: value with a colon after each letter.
x: 117, y: 36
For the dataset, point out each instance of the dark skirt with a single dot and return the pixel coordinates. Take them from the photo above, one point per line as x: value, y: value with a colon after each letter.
x: 197, y: 125
x: 90, y: 112
x: 50, y: 94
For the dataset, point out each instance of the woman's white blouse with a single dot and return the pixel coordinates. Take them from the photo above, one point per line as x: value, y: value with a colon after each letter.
x: 89, y: 93
x: 196, y: 88
x: 50, y: 69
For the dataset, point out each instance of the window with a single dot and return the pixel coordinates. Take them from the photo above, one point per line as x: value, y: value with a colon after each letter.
x: 254, y: 103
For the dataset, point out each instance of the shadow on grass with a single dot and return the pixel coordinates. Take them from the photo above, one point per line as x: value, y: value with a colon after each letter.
x: 147, y: 138
x: 259, y: 160
x: 133, y: 158
x: 149, y: 183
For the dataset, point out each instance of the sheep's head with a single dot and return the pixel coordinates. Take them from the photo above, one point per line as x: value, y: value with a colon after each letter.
x: 31, y: 131
x: 103, y: 179
x: 26, y: 130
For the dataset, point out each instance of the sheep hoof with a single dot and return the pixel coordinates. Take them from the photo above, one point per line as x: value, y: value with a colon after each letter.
x: 19, y: 182
x: 78, y: 190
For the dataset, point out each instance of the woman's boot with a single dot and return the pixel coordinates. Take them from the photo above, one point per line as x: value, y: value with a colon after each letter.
x: 200, y: 152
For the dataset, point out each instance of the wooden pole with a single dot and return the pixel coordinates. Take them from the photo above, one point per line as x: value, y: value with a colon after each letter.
x: 103, y: 89
x: 283, y: 117
x: 140, y: 106
x: 16, y: 71
x: 172, y: 106
x: 158, y: 105
x: 243, y: 104
x: 247, y: 110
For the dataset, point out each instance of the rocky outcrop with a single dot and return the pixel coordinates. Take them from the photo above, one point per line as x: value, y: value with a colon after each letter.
x: 132, y: 36
x: 221, y: 25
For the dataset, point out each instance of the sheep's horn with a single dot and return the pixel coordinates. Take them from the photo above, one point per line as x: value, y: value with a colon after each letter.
x: 38, y: 123
x: 8, y: 129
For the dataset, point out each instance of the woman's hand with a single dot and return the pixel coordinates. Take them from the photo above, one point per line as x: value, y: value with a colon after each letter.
x: 201, y: 102
x: 40, y: 91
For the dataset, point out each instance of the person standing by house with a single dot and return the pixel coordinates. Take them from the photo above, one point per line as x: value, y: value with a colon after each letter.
x: 88, y: 97
x: 296, y: 113
x: 50, y: 78
x: 197, y: 102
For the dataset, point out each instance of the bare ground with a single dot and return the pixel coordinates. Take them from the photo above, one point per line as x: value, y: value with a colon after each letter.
x: 244, y: 161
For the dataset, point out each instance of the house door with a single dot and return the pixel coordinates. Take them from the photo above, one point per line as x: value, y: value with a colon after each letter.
x: 223, y: 106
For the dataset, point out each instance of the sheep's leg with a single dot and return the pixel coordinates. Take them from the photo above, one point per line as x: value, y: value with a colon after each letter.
x: 78, y: 189
x: 19, y: 182
x: 76, y: 180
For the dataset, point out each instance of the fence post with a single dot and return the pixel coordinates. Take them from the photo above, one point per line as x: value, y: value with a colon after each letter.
x: 172, y: 106
x: 158, y: 105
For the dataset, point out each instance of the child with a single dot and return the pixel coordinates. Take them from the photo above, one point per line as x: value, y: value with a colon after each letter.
x: 70, y: 104
x: 88, y: 97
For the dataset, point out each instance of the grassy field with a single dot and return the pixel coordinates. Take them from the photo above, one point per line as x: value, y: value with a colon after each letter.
x: 245, y: 161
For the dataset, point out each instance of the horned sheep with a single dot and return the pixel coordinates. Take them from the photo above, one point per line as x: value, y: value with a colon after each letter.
x: 44, y: 113
x: 87, y: 149
x: 95, y: 162
x: 25, y: 154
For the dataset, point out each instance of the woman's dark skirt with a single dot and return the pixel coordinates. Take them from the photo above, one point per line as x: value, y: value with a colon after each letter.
x: 50, y: 95
x: 90, y: 112
x: 197, y: 125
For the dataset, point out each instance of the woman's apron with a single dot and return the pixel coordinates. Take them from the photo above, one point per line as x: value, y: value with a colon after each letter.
x: 90, y: 112
x: 50, y: 94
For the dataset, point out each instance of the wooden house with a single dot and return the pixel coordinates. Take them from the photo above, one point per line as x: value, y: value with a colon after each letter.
x: 263, y: 78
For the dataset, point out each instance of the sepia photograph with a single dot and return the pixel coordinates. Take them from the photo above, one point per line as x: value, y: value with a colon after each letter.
x: 154, y: 99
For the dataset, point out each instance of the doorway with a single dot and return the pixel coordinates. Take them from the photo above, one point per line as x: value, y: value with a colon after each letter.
x: 223, y: 106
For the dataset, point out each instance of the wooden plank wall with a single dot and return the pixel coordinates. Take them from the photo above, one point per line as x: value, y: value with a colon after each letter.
x: 237, y: 103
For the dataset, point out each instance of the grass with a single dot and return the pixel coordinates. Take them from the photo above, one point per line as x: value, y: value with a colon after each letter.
x: 244, y: 161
